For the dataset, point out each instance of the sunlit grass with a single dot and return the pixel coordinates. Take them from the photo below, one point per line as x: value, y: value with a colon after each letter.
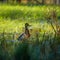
x: 32, y: 12
x: 13, y: 17
x: 18, y: 26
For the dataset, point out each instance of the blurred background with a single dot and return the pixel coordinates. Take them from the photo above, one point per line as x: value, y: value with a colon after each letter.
x: 43, y: 39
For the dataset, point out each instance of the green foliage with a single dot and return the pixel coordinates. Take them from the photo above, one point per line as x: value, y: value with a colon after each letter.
x: 21, y: 52
x: 42, y: 46
x: 18, y: 12
x: 13, y: 17
x: 47, y: 48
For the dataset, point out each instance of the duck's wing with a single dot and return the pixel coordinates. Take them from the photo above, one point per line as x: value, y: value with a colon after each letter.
x: 21, y: 37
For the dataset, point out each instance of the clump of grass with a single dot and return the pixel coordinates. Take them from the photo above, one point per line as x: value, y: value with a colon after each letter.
x: 21, y: 52
x: 46, y: 48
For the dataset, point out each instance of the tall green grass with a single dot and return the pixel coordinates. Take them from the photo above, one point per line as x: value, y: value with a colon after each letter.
x: 45, y: 46
x: 13, y: 17
x: 32, y: 12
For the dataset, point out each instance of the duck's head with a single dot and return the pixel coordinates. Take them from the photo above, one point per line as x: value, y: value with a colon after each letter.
x: 27, y: 25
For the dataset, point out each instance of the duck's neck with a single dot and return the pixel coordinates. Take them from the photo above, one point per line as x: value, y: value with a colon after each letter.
x: 27, y: 31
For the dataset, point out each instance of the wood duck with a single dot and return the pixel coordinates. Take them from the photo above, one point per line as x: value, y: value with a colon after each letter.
x: 26, y: 33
